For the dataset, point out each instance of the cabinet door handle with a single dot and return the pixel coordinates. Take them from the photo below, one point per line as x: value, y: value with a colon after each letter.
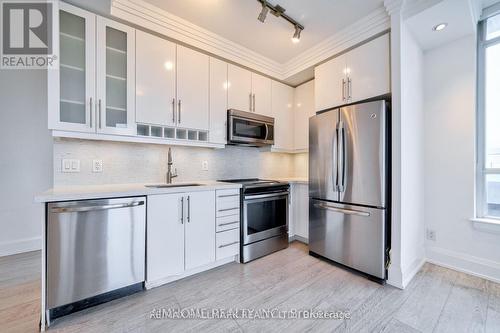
x: 189, y: 208
x: 100, y: 114
x: 227, y: 209
x: 349, y: 88
x: 224, y: 224
x: 226, y: 245
x: 228, y: 195
x: 182, y: 210
x: 343, y: 89
x: 253, y: 102
x: 250, y: 96
x: 179, y: 110
x: 91, y: 109
x: 173, y: 110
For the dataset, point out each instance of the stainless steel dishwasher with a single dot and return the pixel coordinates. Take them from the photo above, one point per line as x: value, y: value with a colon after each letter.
x: 95, y: 252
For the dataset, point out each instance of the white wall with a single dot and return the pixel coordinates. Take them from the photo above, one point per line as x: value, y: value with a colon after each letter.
x: 450, y: 77
x: 26, y: 158
x: 412, y: 165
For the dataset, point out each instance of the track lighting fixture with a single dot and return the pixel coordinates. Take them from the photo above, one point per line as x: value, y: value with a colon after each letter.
x: 296, y: 35
x: 279, y: 11
x: 263, y: 12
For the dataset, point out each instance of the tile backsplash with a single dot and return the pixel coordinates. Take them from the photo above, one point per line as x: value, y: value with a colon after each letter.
x: 145, y: 163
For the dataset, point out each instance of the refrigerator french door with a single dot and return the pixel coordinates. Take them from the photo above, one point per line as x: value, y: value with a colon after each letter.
x: 348, y: 173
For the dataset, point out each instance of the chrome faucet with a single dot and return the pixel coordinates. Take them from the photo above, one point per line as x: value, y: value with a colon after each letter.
x: 170, y: 175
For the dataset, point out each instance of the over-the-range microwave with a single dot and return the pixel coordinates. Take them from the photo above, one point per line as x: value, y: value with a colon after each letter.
x: 249, y: 129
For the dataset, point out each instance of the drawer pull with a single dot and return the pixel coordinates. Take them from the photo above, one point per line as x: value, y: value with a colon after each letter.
x: 228, y: 195
x: 228, y: 209
x: 224, y: 224
x: 226, y: 245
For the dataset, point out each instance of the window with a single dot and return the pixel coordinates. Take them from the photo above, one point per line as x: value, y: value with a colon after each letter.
x: 488, y: 166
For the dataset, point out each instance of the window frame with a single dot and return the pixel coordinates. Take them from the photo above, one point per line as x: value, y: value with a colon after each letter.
x: 481, y: 170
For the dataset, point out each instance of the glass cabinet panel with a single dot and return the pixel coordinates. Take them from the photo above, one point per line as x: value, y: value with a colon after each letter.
x: 116, y: 78
x: 72, y: 69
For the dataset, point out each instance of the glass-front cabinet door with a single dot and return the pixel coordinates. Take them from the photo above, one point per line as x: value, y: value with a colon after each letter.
x: 115, y: 78
x: 72, y: 85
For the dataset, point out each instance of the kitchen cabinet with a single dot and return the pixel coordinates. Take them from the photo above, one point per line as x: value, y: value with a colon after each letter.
x: 359, y: 74
x: 248, y: 91
x: 155, y: 80
x: 261, y: 94
x: 218, y: 101
x: 165, y: 236
x: 282, y: 111
x: 303, y: 110
x: 115, y: 77
x: 180, y: 233
x: 300, y: 211
x: 192, y: 88
x: 93, y: 90
x: 239, y: 95
x: 199, y: 229
x: 71, y: 97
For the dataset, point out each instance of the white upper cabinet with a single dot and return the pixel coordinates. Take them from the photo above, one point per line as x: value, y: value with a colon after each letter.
x: 192, y: 89
x: 282, y: 111
x: 304, y: 109
x: 218, y: 101
x: 354, y: 76
x: 71, y: 88
x: 239, y: 88
x: 155, y: 80
x: 115, y: 78
x: 200, y: 229
x: 369, y: 69
x: 261, y: 95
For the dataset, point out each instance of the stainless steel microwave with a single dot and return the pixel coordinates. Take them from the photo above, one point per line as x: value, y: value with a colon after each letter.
x: 249, y: 129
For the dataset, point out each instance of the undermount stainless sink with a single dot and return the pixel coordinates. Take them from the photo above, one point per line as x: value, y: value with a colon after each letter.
x: 171, y: 185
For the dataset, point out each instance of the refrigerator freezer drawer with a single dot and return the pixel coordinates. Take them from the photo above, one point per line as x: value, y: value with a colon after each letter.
x: 350, y: 235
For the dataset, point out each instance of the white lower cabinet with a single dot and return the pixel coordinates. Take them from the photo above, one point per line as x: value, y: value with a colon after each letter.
x: 227, y: 243
x: 300, y: 211
x: 180, y: 233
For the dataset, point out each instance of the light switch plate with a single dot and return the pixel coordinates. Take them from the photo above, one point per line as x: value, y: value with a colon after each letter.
x: 70, y: 165
x: 204, y: 165
x: 97, y: 166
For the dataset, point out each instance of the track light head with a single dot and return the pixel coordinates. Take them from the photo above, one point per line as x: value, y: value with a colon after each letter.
x: 263, y: 12
x: 296, y: 35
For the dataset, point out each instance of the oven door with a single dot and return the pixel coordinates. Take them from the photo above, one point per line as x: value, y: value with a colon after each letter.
x: 264, y: 216
x: 249, y: 131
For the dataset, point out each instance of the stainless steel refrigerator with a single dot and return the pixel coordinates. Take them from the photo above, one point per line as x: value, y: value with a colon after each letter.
x: 349, y: 186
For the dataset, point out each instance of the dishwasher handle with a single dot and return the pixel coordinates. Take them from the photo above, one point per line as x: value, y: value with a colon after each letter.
x: 75, y: 209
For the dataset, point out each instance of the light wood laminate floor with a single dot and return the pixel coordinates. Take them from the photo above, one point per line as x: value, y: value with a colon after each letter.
x: 437, y: 300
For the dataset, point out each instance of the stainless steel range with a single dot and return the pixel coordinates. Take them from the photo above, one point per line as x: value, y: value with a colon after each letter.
x: 264, y: 217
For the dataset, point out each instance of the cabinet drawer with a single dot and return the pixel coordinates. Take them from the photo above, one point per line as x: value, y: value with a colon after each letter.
x: 227, y: 244
x: 233, y: 193
x: 227, y: 222
x: 227, y: 208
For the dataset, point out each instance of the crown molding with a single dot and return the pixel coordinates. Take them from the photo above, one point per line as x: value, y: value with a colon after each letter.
x: 150, y: 17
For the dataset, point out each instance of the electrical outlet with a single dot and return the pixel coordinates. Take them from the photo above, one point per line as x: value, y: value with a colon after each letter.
x: 431, y: 235
x: 204, y: 165
x: 97, y: 166
x: 70, y: 165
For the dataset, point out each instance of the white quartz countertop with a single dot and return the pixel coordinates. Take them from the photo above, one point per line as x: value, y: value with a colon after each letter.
x: 297, y: 180
x: 70, y: 193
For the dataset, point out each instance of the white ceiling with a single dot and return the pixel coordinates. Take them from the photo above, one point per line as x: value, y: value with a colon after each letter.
x: 237, y: 21
x: 454, y: 12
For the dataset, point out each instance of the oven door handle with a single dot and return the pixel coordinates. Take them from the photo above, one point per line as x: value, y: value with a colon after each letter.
x: 269, y: 195
x: 267, y: 132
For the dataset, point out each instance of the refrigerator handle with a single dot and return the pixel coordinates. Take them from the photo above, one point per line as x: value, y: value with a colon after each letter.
x: 335, y: 160
x: 341, y: 156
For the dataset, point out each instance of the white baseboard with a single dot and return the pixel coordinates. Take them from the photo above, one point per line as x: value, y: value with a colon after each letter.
x: 298, y: 238
x: 20, y: 246
x: 412, y: 270
x: 480, y: 267
x: 160, y: 282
